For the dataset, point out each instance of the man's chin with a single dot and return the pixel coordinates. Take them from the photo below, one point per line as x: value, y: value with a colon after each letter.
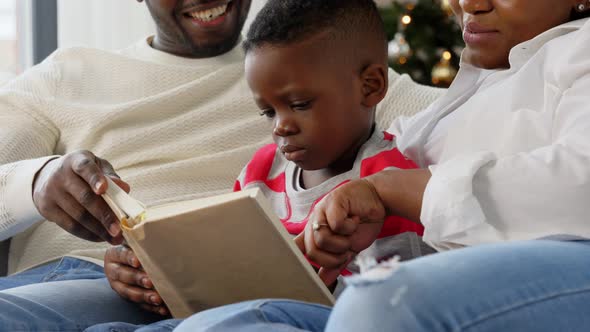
x: 214, y: 48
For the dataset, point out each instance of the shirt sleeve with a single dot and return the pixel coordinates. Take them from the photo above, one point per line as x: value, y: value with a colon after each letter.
x: 27, y: 143
x: 482, y: 198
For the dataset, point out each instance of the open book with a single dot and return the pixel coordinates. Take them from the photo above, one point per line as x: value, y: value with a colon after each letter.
x: 214, y: 251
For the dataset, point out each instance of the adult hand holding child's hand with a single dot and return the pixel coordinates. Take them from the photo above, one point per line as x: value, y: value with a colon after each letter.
x: 130, y: 281
x: 342, y: 224
x: 67, y: 192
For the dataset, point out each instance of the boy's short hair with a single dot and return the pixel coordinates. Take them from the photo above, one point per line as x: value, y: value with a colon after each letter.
x: 284, y: 22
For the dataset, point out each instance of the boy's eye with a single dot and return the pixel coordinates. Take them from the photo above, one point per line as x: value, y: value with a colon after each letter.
x: 301, y: 106
x: 269, y: 113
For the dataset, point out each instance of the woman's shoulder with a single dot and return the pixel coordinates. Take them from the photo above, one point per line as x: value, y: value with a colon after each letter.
x: 404, y: 98
x: 567, y: 57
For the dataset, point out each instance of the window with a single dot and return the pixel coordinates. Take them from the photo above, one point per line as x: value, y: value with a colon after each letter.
x: 9, y: 59
x: 28, y: 33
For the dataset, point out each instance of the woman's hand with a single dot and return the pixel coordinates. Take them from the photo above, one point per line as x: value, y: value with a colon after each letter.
x: 342, y: 224
x: 128, y: 279
x: 67, y: 192
x: 349, y: 219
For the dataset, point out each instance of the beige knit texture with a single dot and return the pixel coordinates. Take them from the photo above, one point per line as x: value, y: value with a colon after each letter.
x: 174, y: 129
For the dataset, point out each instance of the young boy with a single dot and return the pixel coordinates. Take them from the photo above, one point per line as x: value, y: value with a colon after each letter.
x: 317, y: 70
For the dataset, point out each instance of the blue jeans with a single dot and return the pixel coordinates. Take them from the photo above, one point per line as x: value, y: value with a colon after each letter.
x: 161, y: 326
x: 522, y: 286
x: 249, y: 316
x: 68, y: 268
x: 67, y: 295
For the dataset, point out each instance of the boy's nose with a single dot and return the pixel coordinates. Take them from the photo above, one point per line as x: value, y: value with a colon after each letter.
x: 285, y: 127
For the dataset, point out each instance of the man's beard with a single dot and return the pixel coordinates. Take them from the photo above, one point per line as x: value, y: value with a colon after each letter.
x: 207, y: 51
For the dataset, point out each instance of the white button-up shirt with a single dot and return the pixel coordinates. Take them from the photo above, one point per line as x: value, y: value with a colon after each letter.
x: 509, y: 150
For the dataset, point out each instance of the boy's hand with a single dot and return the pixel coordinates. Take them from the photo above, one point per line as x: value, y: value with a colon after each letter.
x: 128, y: 279
x: 342, y: 224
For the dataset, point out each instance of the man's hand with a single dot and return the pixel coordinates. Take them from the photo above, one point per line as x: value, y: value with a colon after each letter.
x: 128, y: 279
x: 67, y: 192
x: 342, y: 224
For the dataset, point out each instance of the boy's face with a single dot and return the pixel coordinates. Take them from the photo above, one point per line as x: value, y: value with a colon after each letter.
x: 313, y: 99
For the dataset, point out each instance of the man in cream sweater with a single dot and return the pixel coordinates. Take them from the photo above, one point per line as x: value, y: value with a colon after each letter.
x: 173, y: 116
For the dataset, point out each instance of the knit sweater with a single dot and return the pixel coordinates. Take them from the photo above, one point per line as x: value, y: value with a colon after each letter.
x: 173, y: 128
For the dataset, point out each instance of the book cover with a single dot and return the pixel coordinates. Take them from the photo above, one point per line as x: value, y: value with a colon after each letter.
x: 219, y: 250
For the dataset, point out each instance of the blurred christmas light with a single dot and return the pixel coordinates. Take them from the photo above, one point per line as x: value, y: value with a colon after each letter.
x: 406, y: 19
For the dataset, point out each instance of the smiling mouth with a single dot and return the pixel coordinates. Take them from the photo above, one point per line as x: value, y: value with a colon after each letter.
x: 209, y: 14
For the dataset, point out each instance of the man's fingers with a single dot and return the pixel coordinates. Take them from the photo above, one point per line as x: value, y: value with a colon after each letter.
x: 124, y: 255
x: 82, y: 216
x: 81, y: 221
x: 153, y: 298
x: 109, y: 171
x: 131, y: 258
x: 160, y: 310
x: 85, y: 165
x: 95, y: 205
x: 106, y: 167
x: 129, y: 276
x: 127, y: 279
x: 124, y: 185
x: 137, y: 294
x: 65, y: 221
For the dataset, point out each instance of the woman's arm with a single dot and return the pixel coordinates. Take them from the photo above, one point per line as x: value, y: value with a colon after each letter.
x: 349, y: 219
x: 401, y: 191
x: 482, y: 197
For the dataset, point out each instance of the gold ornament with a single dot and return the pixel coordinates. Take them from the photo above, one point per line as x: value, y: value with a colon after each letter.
x: 399, y: 48
x: 443, y: 73
x: 446, y: 7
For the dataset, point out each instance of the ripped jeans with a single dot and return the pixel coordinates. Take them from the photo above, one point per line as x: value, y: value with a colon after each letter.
x: 521, y: 286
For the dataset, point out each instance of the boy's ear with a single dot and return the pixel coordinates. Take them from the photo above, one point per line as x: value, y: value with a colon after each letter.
x: 374, y: 84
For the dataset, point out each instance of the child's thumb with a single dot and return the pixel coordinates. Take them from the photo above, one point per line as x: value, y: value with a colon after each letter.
x: 300, y: 242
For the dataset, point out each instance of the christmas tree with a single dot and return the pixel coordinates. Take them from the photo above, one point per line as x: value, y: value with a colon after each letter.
x: 425, y: 41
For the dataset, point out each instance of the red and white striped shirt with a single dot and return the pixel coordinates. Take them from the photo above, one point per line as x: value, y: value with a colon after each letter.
x: 279, y: 179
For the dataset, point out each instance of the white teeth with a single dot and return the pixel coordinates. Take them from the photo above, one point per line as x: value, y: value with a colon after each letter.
x: 209, y: 14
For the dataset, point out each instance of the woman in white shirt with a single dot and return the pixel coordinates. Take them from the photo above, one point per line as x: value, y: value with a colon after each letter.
x: 505, y: 179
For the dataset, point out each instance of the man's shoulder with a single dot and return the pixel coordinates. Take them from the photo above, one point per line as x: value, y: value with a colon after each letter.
x: 77, y: 58
x: 77, y: 52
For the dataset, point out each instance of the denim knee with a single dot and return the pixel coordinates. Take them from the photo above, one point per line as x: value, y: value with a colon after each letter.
x: 258, y: 315
x: 391, y: 303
